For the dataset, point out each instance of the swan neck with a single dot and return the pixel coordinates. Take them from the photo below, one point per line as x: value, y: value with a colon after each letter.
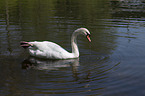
x: 75, y: 50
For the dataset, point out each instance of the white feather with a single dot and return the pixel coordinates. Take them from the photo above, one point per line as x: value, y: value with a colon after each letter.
x: 50, y: 50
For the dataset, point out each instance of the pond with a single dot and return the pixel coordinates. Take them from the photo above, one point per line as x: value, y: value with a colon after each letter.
x: 113, y: 64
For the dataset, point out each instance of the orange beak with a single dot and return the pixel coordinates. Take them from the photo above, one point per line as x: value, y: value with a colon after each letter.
x: 89, y: 38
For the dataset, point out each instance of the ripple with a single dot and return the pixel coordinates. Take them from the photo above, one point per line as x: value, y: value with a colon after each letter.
x: 81, y: 80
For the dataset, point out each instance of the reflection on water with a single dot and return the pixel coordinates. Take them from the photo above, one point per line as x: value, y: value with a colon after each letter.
x: 111, y: 65
x: 42, y: 64
x: 66, y: 73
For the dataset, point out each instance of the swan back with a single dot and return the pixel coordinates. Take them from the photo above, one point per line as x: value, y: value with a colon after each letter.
x: 50, y: 50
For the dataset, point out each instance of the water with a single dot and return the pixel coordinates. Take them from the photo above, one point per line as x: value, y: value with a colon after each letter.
x: 111, y: 65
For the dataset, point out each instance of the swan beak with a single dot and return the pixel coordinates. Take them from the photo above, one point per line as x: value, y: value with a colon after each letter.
x: 89, y: 38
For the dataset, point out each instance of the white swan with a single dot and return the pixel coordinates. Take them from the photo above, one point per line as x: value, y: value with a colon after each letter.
x: 50, y: 50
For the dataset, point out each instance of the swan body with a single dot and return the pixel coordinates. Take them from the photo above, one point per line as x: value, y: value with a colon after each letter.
x: 50, y: 50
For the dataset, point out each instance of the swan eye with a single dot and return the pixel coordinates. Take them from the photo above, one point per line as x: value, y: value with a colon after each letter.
x: 88, y: 37
x: 88, y: 34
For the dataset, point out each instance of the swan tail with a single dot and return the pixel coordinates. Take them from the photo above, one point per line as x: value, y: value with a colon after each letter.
x: 25, y: 44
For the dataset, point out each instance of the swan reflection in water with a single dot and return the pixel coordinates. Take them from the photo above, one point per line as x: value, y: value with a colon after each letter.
x: 42, y: 64
x: 50, y: 65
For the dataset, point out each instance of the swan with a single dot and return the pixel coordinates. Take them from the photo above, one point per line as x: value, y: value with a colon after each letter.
x: 50, y: 50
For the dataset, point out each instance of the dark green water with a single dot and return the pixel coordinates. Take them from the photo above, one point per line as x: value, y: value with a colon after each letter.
x: 113, y: 64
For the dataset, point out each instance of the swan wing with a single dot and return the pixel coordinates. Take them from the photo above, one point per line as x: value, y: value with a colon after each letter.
x: 49, y: 50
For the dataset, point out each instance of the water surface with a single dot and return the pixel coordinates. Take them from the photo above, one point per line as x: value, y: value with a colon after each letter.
x: 111, y: 65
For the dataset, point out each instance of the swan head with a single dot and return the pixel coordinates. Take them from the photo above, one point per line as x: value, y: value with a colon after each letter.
x: 85, y: 32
